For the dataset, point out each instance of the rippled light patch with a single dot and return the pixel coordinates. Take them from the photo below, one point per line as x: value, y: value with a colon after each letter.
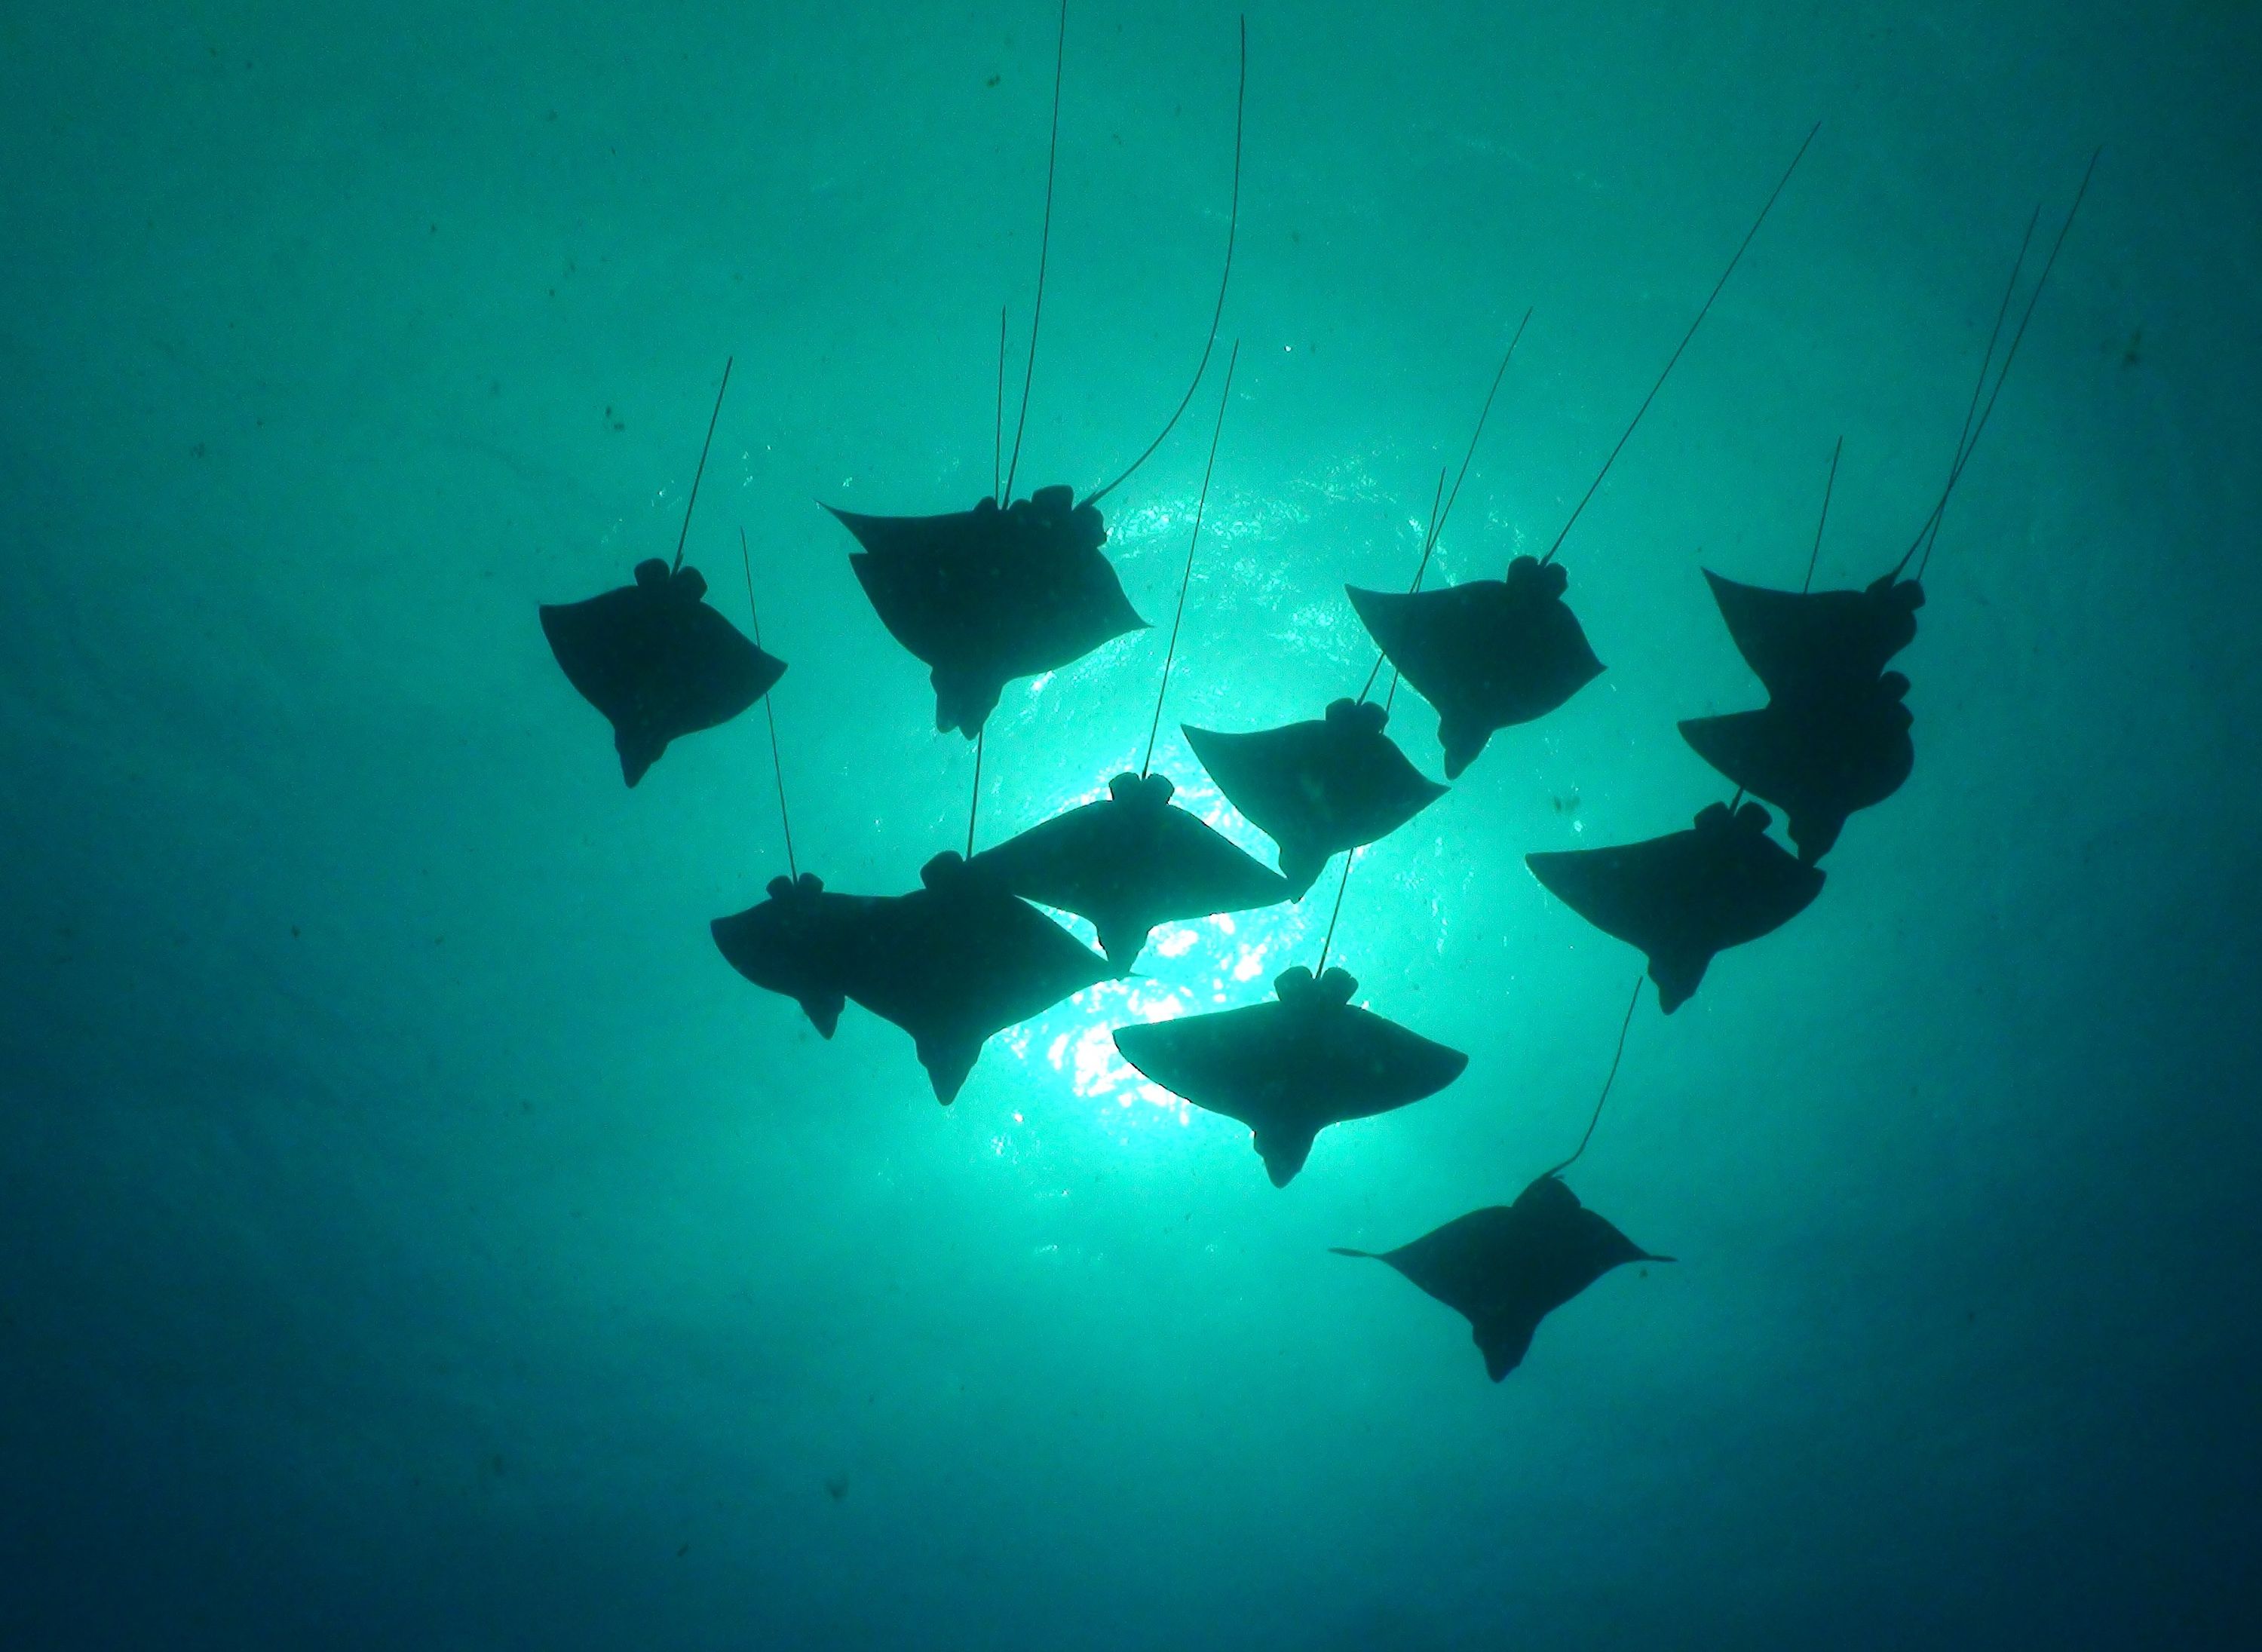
x: 1094, y: 1067
x: 1173, y: 943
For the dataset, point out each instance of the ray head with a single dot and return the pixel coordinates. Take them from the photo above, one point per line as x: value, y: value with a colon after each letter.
x: 1153, y: 792
x: 1357, y: 714
x: 1529, y: 575
x: 1905, y: 595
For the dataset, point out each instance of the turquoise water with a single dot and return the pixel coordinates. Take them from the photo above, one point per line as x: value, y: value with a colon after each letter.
x: 414, y: 1235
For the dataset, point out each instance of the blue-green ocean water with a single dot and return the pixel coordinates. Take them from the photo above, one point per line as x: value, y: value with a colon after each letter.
x: 412, y: 1235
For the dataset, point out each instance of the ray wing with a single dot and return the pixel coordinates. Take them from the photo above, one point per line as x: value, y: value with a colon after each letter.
x: 803, y: 948
x: 1802, y: 644
x: 1314, y: 788
x: 952, y: 969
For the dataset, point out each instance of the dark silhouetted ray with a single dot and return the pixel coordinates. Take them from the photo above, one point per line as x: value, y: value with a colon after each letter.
x: 1317, y: 788
x: 802, y: 943
x: 1131, y: 862
x: 989, y: 595
x: 657, y: 662
x: 1290, y: 1069
x: 1818, y: 760
x: 1488, y: 654
x: 963, y: 959
x: 1506, y: 1267
x: 1818, y: 645
x: 1492, y: 654
x: 1686, y: 895
x: 984, y: 595
x: 1810, y: 645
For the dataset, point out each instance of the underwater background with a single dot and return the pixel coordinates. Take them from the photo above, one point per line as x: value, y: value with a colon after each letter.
x: 412, y: 1234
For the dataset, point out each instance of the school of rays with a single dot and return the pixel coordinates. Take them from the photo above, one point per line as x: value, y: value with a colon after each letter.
x: 1015, y: 587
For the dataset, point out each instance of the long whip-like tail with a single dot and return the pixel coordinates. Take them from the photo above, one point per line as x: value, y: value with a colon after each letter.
x: 1232, y: 229
x: 1685, y: 338
x: 1201, y: 504
x: 686, y: 532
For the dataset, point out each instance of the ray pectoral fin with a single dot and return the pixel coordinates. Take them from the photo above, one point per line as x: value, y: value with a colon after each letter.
x: 1136, y: 1043
x: 1572, y: 878
x: 1764, y: 624
x: 1339, y: 1250
x: 881, y: 534
x: 1445, y: 1066
x: 890, y: 586
x: 1697, y: 732
x: 861, y: 529
x: 1742, y: 745
x: 1382, y: 613
x: 558, y: 631
x: 597, y: 643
